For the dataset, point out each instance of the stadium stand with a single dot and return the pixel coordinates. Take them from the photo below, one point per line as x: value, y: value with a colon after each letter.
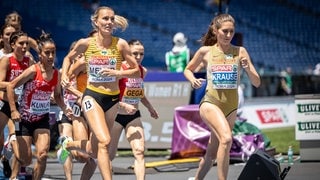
x: 277, y: 33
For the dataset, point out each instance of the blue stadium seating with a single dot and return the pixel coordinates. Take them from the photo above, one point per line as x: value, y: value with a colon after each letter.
x: 277, y: 33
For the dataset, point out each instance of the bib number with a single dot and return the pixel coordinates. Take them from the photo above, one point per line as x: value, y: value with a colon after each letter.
x: 76, y: 110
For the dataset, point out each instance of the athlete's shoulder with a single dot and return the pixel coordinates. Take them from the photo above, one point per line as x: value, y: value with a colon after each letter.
x: 204, y: 49
x: 84, y: 41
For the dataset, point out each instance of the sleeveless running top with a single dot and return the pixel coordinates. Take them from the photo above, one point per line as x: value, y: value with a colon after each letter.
x: 223, y: 79
x: 131, y: 89
x: 97, y: 59
x: 15, y: 68
x: 35, y: 102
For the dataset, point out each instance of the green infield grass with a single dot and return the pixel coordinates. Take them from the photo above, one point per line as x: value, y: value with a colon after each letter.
x: 282, y: 138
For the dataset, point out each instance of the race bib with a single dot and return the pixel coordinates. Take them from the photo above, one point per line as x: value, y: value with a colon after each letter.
x: 98, y: 63
x: 224, y: 76
x: 40, y: 103
x: 76, y: 110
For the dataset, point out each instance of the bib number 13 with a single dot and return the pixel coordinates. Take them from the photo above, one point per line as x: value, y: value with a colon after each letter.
x: 88, y: 104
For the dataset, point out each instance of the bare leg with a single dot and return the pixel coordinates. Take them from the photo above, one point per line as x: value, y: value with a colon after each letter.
x: 219, y: 125
x: 7, y: 152
x: 101, y: 124
x: 88, y: 169
x: 115, y: 133
x: 42, y: 143
x: 22, y: 154
x: 135, y: 136
x: 15, y: 165
x: 3, y: 121
x: 207, y: 161
x: 65, y: 129
x: 81, y: 133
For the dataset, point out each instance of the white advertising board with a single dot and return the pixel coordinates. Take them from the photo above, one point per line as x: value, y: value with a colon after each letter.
x: 307, y: 117
x: 270, y: 115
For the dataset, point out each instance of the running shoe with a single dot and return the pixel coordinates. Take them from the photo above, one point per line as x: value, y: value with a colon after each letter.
x: 63, y: 153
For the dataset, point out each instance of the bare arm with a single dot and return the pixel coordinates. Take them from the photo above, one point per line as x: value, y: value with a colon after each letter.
x: 26, y: 75
x: 134, y: 70
x: 148, y: 105
x: 57, y: 94
x: 76, y: 68
x: 146, y: 102
x: 199, y: 59
x: 80, y: 47
x: 249, y: 68
x: 4, y: 63
x: 74, y: 91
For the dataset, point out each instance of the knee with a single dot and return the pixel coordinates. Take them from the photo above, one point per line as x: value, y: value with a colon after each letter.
x: 104, y: 144
x: 105, y: 141
x: 138, y: 152
x: 42, y: 156
x: 226, y: 140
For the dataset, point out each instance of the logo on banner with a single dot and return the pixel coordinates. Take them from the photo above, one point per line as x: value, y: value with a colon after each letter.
x: 268, y: 116
x: 309, y: 109
x: 305, y: 126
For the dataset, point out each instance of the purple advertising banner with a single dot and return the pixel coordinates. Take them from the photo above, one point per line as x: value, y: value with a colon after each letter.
x: 190, y: 134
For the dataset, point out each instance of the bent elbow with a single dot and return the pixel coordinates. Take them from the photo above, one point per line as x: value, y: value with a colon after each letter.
x: 9, y: 87
x: 187, y: 71
x: 257, y: 83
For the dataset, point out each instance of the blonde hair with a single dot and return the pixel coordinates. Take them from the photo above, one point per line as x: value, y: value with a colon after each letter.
x: 119, y: 21
x: 14, y: 19
x: 14, y: 14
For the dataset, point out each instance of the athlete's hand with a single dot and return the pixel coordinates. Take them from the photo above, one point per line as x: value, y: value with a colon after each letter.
x: 129, y: 108
x: 65, y: 82
x: 197, y: 83
x: 15, y: 116
x: 154, y: 113
x: 68, y: 112
x: 109, y: 72
x: 244, y: 63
